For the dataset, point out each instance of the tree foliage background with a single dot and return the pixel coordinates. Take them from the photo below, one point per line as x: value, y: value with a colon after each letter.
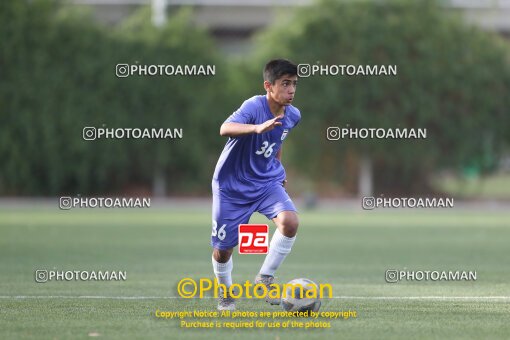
x: 453, y: 80
x: 57, y: 75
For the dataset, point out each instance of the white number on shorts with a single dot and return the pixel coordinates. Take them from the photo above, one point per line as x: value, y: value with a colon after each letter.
x: 266, y: 149
x: 219, y: 233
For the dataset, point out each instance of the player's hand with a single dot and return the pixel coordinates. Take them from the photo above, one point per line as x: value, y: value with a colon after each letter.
x: 284, y: 182
x: 269, y: 125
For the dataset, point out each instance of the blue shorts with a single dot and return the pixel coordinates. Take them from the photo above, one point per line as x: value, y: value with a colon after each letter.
x: 229, y: 213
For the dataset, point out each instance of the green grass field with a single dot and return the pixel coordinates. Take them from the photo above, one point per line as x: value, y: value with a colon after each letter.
x: 349, y: 250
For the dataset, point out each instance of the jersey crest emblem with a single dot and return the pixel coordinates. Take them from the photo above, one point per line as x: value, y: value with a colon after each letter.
x: 284, y: 134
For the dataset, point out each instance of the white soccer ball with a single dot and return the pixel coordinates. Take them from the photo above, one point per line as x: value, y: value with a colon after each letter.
x: 301, y: 295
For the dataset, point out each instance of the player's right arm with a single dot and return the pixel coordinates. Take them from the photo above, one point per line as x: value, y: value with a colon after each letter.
x: 231, y: 129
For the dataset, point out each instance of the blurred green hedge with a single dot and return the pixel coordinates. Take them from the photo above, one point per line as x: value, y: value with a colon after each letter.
x: 453, y: 79
x: 58, y: 76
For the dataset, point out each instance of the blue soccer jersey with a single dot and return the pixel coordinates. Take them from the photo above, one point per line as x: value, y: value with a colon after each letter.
x: 248, y: 164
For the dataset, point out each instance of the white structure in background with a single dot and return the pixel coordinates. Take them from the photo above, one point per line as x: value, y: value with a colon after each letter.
x: 158, y: 12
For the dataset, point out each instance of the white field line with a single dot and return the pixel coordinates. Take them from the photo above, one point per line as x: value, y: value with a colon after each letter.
x: 395, y: 298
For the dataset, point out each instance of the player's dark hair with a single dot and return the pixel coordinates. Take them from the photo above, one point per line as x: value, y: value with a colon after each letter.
x: 277, y: 68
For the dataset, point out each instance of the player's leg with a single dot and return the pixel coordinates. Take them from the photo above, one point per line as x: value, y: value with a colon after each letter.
x: 227, y: 216
x: 279, y: 207
x: 283, y: 239
x: 223, y: 265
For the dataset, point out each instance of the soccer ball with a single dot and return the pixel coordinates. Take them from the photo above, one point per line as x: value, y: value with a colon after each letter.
x: 301, y: 295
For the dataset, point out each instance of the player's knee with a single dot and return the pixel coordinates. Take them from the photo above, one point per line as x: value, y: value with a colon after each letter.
x: 222, y: 256
x: 289, y: 223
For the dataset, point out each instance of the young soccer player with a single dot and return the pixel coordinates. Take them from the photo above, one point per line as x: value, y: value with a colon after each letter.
x: 249, y: 176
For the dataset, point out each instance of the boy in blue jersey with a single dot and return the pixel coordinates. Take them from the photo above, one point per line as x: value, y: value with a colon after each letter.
x: 249, y: 176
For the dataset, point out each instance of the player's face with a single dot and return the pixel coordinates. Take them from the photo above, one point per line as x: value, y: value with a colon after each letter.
x: 283, y: 89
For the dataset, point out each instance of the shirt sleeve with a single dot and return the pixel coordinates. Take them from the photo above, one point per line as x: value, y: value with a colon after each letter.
x: 244, y: 115
x: 297, y: 119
